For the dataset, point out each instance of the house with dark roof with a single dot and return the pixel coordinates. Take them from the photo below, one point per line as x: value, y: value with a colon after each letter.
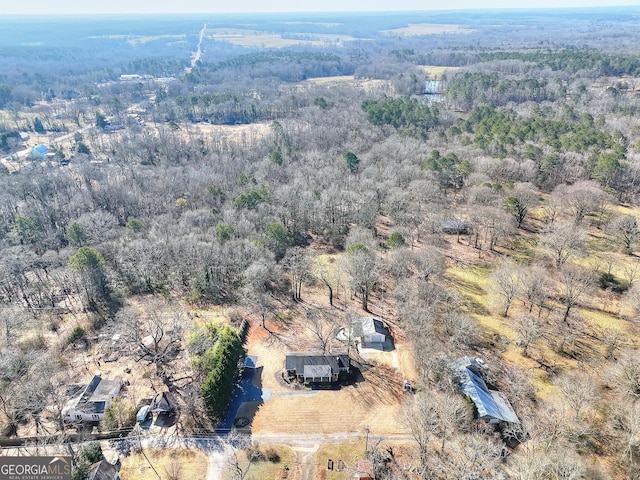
x: 491, y: 405
x: 93, y: 401
x: 316, y: 367
x: 103, y: 470
x: 455, y: 226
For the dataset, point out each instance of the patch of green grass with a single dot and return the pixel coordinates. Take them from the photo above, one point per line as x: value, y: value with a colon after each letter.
x: 349, y: 453
x: 543, y: 385
x: 603, y: 320
x: 498, y: 325
x: 470, y: 280
x: 524, y: 249
x: 623, y: 210
x: 277, y: 457
x: 598, y: 244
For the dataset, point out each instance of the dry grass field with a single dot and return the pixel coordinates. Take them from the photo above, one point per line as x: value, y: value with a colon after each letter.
x: 271, y: 467
x: 252, y: 38
x: 185, y: 463
x: 229, y: 133
x: 436, y: 71
x: 426, y: 29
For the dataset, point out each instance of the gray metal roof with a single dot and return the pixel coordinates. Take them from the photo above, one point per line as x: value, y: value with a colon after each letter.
x: 491, y: 404
x: 371, y: 325
x: 106, y: 390
x: 98, y: 392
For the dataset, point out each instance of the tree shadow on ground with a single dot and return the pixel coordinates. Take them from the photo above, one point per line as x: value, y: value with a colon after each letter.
x: 246, y: 398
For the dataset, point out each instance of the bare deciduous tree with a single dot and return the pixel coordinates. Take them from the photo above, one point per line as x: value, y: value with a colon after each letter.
x: 628, y: 375
x: 563, y: 240
x: 428, y: 263
x: 420, y: 417
x: 625, y: 228
x: 296, y: 262
x: 627, y: 418
x: 581, y: 198
x: 362, y: 266
x: 630, y: 271
x: 575, y: 283
x: 461, y: 328
x: 154, y: 334
x: 236, y: 446
x: 507, y: 278
x: 534, y: 287
x: 323, y: 328
x: 529, y: 330
x: 579, y: 392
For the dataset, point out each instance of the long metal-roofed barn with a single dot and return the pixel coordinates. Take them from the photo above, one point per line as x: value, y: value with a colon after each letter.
x: 492, y: 405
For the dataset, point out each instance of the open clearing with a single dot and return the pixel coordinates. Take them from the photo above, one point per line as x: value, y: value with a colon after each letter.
x: 252, y: 38
x: 190, y: 463
x: 232, y: 133
x: 373, y: 399
x: 426, y: 29
x: 277, y: 456
x: 436, y: 71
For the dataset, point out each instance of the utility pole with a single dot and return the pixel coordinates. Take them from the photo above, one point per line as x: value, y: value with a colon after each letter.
x: 144, y: 454
x: 366, y: 441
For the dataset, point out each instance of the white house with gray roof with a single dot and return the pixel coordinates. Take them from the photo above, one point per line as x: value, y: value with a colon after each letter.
x: 93, y: 401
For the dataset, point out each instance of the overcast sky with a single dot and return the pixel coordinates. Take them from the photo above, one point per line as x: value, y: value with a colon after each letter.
x: 247, y: 6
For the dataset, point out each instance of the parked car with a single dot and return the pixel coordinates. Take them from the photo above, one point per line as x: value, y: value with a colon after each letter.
x: 143, y: 414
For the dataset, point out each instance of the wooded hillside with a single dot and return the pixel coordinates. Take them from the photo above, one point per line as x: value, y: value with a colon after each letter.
x: 250, y: 183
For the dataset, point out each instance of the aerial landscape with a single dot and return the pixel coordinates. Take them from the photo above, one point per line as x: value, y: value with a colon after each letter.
x: 322, y: 245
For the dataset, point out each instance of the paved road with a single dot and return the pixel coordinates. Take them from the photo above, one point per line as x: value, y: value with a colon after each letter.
x: 195, y: 57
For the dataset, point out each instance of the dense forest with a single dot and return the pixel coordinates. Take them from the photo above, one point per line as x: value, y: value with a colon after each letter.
x: 174, y: 185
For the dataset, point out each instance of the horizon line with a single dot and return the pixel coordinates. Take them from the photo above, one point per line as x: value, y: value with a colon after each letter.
x: 316, y: 12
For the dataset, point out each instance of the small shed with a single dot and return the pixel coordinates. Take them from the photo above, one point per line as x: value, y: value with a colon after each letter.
x: 250, y: 361
x: 374, y: 332
x: 162, y: 404
x: 455, y: 226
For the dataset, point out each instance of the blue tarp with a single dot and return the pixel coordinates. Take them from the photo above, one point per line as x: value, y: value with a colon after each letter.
x: 40, y: 149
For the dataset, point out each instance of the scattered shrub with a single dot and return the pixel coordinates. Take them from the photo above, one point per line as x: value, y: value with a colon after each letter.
x: 77, y: 334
